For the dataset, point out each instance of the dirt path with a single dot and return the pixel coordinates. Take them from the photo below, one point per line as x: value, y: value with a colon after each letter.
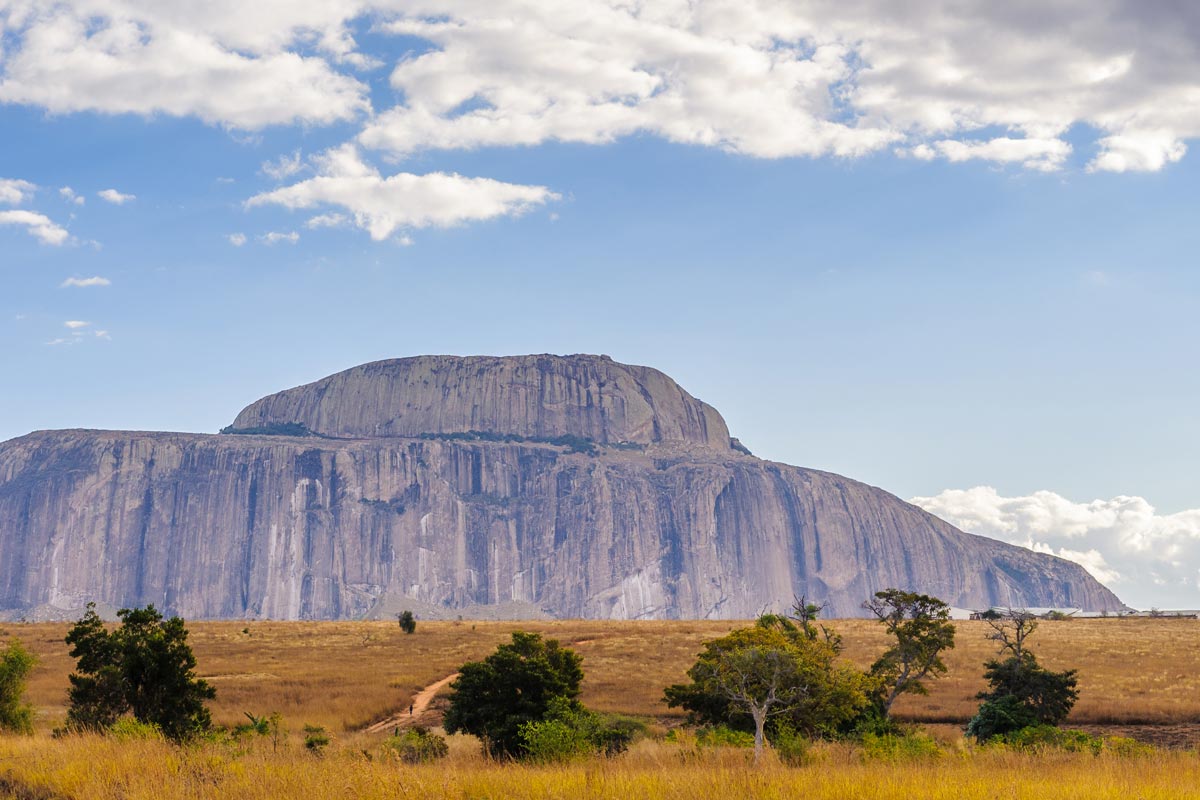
x: 422, y: 699
x: 420, y: 704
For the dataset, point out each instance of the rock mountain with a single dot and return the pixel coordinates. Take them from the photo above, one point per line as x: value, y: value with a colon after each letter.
x: 522, y: 486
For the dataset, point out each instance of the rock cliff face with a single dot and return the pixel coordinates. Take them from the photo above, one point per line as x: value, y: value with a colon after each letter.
x: 542, y: 397
x: 661, y: 519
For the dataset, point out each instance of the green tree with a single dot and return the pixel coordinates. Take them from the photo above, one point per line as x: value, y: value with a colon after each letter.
x: 922, y: 630
x: 1022, y: 692
x: 144, y: 667
x: 494, y: 698
x: 408, y: 623
x: 771, y: 670
x: 15, y: 665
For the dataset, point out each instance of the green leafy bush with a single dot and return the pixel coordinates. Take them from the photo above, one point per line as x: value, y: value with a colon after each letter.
x: 128, y: 729
x: 723, y: 736
x: 16, y: 663
x: 418, y: 745
x: 1001, y: 716
x: 570, y: 731
x: 315, y: 739
x: 1039, y: 738
x: 791, y: 747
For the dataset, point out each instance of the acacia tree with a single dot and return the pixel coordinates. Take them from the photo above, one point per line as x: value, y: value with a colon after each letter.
x: 144, y: 667
x: 517, y: 684
x: 15, y: 665
x: 922, y: 630
x: 770, y: 670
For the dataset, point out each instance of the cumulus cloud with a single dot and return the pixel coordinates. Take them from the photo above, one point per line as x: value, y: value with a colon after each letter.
x: 84, y: 282
x: 1148, y: 558
x: 236, y: 239
x: 115, y: 197
x: 37, y: 225
x: 384, y: 205
x: 226, y: 62
x: 961, y: 80
x: 945, y: 79
x: 13, y: 192
x: 275, y: 237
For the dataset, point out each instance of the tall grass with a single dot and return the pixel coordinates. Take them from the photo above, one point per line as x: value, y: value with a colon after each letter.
x: 92, y: 768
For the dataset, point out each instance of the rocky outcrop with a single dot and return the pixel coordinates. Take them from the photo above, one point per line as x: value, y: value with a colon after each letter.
x: 536, y: 397
x: 660, y: 519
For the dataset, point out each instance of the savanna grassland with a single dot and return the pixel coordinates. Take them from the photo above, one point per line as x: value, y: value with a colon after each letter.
x: 346, y: 675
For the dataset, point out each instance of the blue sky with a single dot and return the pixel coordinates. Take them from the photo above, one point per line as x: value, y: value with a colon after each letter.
x: 987, y: 304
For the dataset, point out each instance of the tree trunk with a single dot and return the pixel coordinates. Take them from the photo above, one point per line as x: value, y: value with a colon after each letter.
x: 760, y: 721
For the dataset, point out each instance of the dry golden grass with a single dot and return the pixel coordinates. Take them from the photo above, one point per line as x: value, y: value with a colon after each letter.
x: 344, y: 675
x: 92, y: 768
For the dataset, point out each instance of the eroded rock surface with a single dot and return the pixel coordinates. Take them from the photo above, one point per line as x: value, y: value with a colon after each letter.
x: 676, y: 525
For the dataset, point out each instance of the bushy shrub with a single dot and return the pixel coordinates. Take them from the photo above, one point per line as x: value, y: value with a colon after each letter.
x: 570, y: 731
x: 315, y: 739
x: 1124, y: 747
x: 418, y: 745
x: 791, y: 747
x: 900, y: 747
x: 723, y: 736
x: 128, y: 729
x: 1001, y: 716
x: 1039, y: 738
x: 16, y: 663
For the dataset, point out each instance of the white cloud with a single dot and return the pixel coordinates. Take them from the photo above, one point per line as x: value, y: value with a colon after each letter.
x: 226, y: 62
x: 76, y: 324
x: 37, y: 225
x: 283, y: 167
x: 382, y: 206
x: 115, y: 197
x: 68, y: 194
x: 1147, y: 558
x: 327, y: 221
x: 236, y: 239
x: 85, y: 282
x: 13, y: 192
x: 951, y: 79
x: 973, y: 80
x: 274, y: 237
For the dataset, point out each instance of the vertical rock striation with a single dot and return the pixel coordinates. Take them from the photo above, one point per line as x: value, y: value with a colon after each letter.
x: 393, y: 505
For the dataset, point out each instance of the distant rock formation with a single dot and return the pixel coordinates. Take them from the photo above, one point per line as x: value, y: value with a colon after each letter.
x: 526, y: 486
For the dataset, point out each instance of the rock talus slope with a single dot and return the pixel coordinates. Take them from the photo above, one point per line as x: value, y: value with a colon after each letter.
x: 396, y: 505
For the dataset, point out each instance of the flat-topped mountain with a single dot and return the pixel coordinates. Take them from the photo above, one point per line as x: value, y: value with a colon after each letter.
x: 534, y: 485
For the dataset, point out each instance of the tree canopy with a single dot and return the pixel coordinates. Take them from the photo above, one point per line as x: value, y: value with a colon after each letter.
x: 773, y: 669
x: 922, y: 630
x: 143, y: 667
x: 517, y: 684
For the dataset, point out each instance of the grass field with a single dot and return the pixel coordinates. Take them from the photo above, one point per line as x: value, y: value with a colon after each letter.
x: 346, y: 675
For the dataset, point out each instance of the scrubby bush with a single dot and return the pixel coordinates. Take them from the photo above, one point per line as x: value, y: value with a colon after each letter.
x: 570, y: 731
x: 129, y: 729
x: 315, y: 739
x: 1047, y: 737
x: 418, y: 745
x: 16, y: 663
x: 723, y: 736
